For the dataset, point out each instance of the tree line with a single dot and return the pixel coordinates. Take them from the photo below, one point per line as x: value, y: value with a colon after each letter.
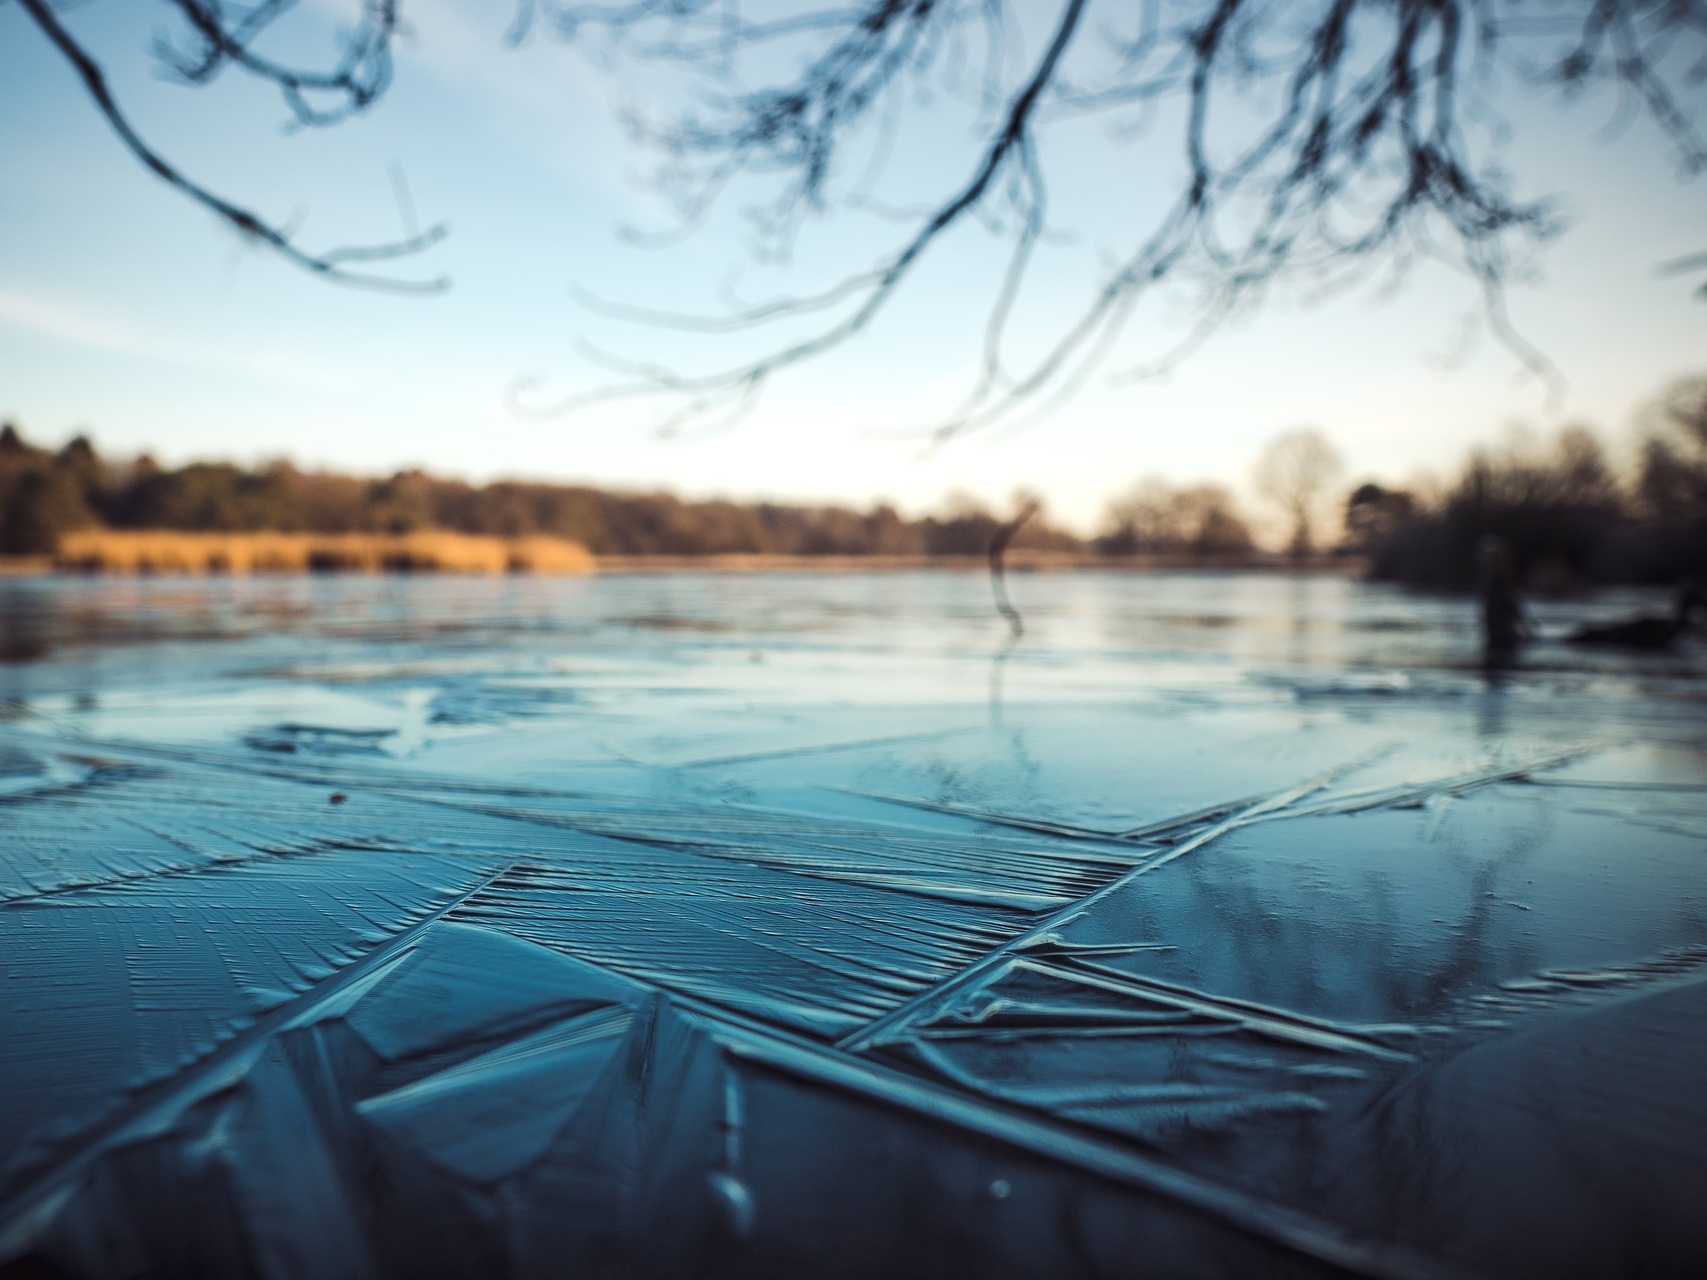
x: 45, y: 493
x: 1569, y: 517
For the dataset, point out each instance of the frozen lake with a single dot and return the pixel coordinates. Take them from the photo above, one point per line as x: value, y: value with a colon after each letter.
x: 784, y: 924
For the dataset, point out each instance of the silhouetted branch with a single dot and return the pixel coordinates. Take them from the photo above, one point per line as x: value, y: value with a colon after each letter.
x: 362, y: 75
x: 1319, y: 139
x: 1323, y: 140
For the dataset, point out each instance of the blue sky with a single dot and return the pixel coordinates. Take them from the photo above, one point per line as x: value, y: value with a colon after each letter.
x: 125, y: 311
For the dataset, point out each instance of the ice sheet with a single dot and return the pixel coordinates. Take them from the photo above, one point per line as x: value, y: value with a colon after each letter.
x: 797, y: 924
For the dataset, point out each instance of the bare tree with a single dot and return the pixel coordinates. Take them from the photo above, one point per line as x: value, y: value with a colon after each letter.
x: 1673, y: 476
x: 1155, y: 517
x: 1295, y: 473
x: 1323, y: 139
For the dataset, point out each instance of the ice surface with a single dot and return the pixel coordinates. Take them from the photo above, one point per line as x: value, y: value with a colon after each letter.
x: 790, y: 924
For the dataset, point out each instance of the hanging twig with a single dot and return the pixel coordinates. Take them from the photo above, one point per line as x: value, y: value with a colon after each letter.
x: 330, y: 264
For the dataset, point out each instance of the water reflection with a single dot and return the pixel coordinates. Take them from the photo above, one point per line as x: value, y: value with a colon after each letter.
x: 900, y: 639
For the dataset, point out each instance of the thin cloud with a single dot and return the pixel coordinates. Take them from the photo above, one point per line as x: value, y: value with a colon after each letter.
x: 464, y: 47
x: 49, y: 318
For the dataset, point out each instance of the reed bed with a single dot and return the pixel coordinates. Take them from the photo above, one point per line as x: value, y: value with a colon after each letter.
x: 430, y: 551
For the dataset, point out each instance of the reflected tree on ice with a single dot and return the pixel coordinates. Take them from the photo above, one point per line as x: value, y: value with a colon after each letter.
x: 1504, y: 626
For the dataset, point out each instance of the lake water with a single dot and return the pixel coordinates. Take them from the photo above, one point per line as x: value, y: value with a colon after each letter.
x: 786, y: 923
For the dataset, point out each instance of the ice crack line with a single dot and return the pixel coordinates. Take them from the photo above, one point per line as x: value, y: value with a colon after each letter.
x: 896, y: 1020
x: 1291, y: 1229
x: 35, y: 1205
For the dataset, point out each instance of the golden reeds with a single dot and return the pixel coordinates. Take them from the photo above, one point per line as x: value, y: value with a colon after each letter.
x: 440, y: 551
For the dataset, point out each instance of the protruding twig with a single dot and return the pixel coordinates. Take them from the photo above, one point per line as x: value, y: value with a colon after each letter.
x: 999, y: 541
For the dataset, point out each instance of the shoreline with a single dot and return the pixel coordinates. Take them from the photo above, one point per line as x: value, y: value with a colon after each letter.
x: 1016, y: 561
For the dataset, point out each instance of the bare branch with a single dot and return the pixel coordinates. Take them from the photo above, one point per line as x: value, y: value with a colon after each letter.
x: 1363, y: 159
x: 361, y: 75
x: 879, y: 284
x: 250, y: 225
x: 1321, y: 141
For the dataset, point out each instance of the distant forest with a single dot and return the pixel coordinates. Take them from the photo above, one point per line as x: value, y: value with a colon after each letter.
x: 1570, y: 517
x: 45, y: 493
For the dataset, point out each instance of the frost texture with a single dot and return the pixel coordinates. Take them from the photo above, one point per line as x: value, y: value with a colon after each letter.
x: 441, y: 928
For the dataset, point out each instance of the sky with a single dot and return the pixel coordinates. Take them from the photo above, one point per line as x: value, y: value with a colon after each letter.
x: 129, y: 313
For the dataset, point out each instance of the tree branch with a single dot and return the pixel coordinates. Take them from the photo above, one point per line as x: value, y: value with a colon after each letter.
x: 328, y: 265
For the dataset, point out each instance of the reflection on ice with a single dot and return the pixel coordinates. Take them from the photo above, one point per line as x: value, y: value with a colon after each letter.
x: 748, y: 925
